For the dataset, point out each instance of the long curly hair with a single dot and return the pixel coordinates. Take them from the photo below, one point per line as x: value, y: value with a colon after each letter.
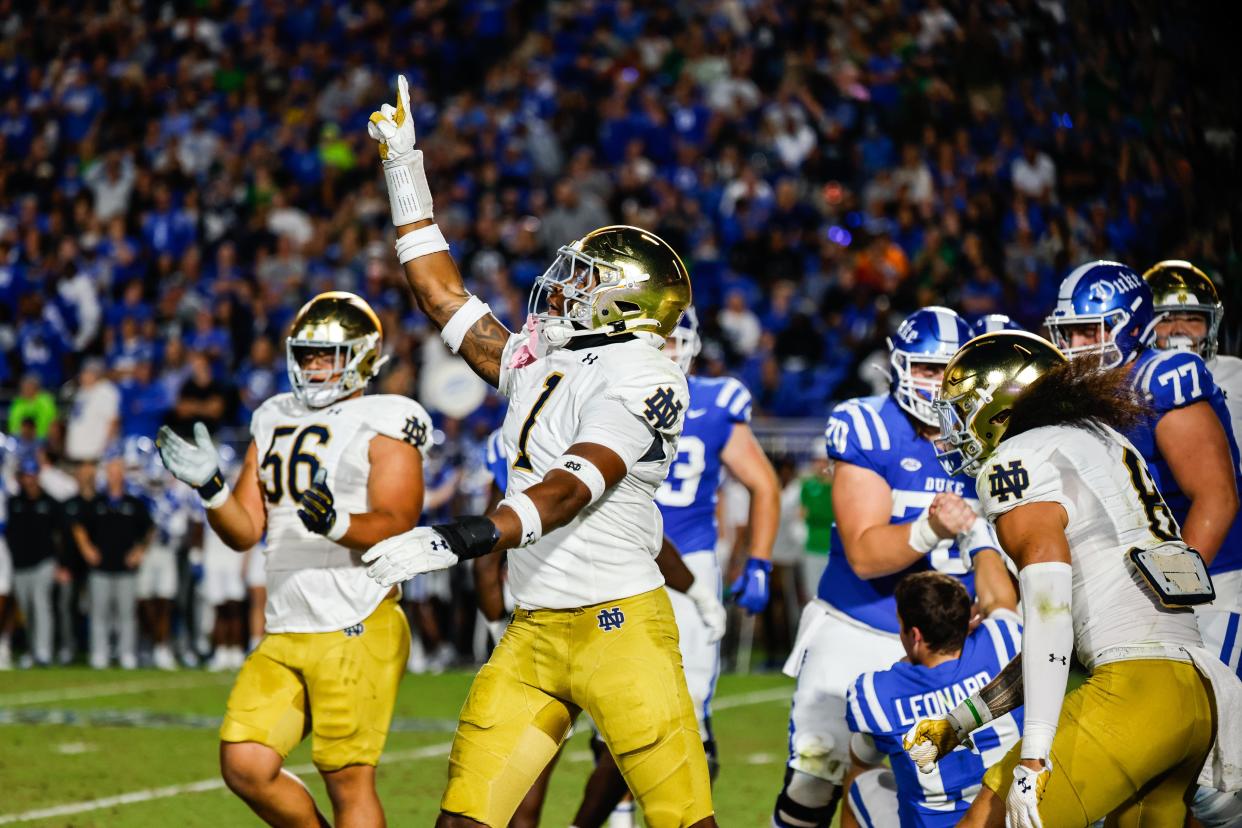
x: 1079, y: 394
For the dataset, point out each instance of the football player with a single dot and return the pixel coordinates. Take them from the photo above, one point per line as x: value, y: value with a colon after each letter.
x: 897, y: 512
x: 1188, y: 317
x: 595, y: 412
x: 945, y: 662
x: 1104, y: 574
x: 328, y: 473
x: 716, y: 437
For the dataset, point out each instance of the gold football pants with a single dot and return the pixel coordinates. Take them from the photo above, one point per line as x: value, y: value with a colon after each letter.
x: 620, y: 663
x: 1129, y: 745
x: 339, y: 686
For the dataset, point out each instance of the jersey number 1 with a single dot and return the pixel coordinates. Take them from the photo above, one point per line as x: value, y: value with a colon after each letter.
x: 274, y: 462
x: 522, y: 460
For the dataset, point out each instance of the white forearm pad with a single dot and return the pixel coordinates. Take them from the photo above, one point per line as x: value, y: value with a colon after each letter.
x: 421, y: 242
x: 409, y: 197
x: 584, y: 470
x: 462, y: 321
x: 524, y: 508
x: 1047, y: 643
x: 340, y: 527
x: 922, y: 537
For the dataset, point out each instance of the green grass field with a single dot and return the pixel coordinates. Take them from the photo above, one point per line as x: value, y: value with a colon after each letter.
x: 112, y: 748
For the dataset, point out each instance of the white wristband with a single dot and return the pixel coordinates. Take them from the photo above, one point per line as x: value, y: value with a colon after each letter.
x: 409, y: 197
x: 460, y: 323
x: 923, y: 538
x: 584, y: 470
x: 528, y: 515
x: 218, y: 499
x: 421, y: 242
x: 339, y: 527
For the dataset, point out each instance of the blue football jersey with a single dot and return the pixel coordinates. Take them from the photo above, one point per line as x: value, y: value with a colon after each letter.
x: 497, y: 462
x: 876, y: 434
x: 887, y: 703
x: 1169, y: 380
x: 687, y: 498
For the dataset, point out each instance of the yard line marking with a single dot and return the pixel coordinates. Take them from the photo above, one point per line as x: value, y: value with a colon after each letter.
x: 412, y: 755
x: 120, y: 688
x: 754, y: 697
x: 134, y: 797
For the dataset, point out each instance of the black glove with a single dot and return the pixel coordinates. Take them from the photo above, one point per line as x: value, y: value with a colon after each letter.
x: 317, y: 507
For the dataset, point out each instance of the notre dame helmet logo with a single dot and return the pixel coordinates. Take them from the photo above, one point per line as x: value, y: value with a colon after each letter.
x: 1010, y: 481
x: 662, y: 408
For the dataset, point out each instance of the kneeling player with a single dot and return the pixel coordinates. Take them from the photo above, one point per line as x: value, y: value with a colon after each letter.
x: 944, y: 663
x: 1103, y: 573
x: 336, y: 643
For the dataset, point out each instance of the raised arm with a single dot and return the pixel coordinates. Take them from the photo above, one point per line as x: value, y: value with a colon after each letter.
x: 237, y: 515
x: 466, y: 324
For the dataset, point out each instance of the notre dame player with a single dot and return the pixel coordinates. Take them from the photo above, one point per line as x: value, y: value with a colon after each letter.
x: 1104, y: 574
x: 595, y: 412
x: 328, y: 473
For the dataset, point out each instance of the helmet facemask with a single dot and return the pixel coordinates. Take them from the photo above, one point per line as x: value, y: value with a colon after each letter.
x: 353, y: 362
x: 571, y: 298
x: 1108, y: 325
x: 684, y: 343
x: 958, y: 448
x: 916, y: 395
x: 1205, y: 346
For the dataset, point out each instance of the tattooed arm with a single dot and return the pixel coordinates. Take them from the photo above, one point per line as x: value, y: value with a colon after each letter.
x: 439, y: 291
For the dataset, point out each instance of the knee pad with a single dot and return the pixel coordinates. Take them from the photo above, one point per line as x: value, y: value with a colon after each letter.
x: 805, y: 801
x: 1217, y: 809
x: 817, y: 756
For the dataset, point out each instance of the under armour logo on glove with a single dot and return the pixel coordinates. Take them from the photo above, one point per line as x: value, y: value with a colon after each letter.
x: 1024, y: 785
x: 1053, y: 658
x: 439, y: 545
x: 589, y: 359
x: 530, y: 538
x: 610, y: 619
x: 662, y: 408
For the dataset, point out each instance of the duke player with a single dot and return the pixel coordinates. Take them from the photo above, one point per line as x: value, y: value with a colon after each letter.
x: 897, y: 512
x: 945, y: 663
x: 995, y: 322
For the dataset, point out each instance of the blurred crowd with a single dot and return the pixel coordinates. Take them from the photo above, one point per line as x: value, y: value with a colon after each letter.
x: 176, y: 179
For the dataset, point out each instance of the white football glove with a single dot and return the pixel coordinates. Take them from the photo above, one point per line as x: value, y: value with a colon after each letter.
x: 930, y: 740
x: 401, y: 557
x: 1022, y: 802
x: 393, y: 128
x: 703, y: 594
x: 193, y: 463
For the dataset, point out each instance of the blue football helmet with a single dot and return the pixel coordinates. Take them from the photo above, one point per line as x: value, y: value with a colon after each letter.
x: 928, y: 336
x: 685, y: 340
x: 1114, y: 301
x: 994, y: 322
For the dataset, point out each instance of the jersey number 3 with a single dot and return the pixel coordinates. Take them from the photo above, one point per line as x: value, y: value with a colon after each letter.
x: 273, y: 471
x: 522, y: 460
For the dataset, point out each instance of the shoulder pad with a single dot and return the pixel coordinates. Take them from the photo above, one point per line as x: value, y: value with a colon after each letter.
x: 651, y: 386
x: 1173, y: 379
x: 733, y: 398
x: 399, y: 418
x: 857, y: 434
x: 268, y: 408
x: 1025, y: 469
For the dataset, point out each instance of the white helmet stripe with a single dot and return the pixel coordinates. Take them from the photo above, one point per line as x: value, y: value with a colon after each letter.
x: 948, y: 330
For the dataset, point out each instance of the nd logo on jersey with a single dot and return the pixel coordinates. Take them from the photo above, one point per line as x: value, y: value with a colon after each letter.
x: 1008, y: 482
x: 662, y: 408
x: 610, y: 619
x: 414, y: 432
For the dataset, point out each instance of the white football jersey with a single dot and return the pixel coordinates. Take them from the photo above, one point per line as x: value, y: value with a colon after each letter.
x: 622, y: 394
x: 1113, y: 506
x: 1227, y: 371
x: 314, y: 584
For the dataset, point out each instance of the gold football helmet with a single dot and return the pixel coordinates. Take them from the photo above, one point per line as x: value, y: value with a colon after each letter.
x: 613, y: 280
x: 1180, y: 287
x: 343, y: 326
x: 977, y: 393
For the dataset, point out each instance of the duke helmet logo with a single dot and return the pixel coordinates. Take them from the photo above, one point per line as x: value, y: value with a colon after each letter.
x: 1009, y: 481
x: 610, y: 619
x: 414, y: 432
x: 662, y: 408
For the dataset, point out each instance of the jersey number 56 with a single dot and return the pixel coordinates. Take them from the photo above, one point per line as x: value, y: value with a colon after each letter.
x: 301, y: 467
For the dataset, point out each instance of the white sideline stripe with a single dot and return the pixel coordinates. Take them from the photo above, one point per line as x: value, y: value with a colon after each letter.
x: 428, y: 752
x: 121, y: 688
x: 134, y: 797
x: 754, y: 697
